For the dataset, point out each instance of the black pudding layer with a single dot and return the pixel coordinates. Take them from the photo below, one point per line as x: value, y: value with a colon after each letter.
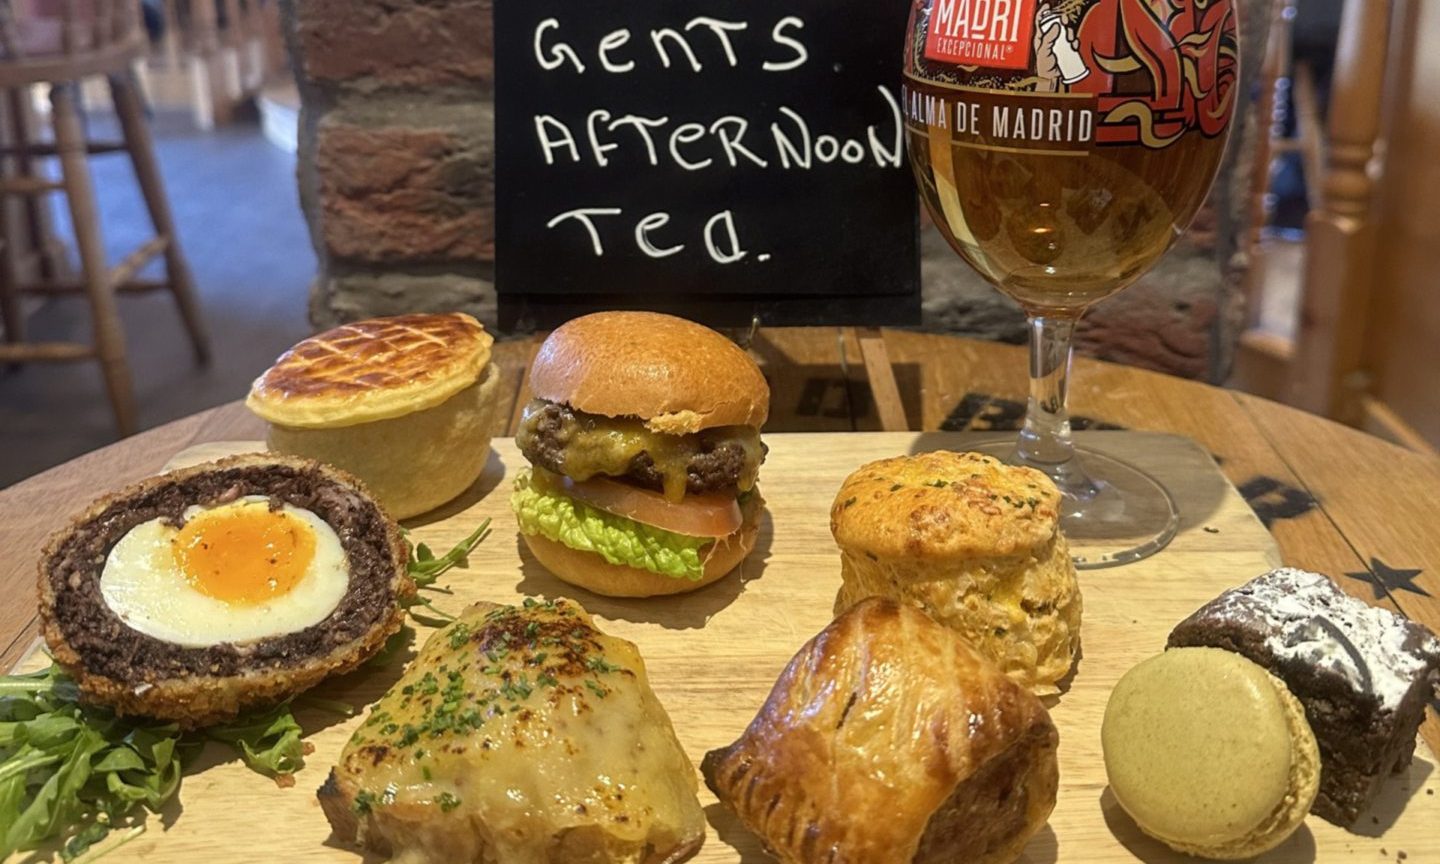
x: 109, y: 647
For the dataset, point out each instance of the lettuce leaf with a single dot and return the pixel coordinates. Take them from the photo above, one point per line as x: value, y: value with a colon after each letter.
x: 615, y: 538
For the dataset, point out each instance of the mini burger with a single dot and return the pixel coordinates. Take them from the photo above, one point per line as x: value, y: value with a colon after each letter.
x: 644, y: 441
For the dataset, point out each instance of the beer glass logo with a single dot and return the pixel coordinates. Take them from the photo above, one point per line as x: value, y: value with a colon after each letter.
x: 990, y: 33
x: 1055, y: 54
x: 1150, y: 71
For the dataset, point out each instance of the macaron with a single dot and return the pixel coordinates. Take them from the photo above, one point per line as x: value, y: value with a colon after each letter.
x: 1210, y: 753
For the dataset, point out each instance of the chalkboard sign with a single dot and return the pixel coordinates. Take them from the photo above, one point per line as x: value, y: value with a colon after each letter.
x: 721, y: 158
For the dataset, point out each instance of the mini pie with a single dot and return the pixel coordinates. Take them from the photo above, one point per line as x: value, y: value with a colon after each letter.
x: 972, y: 541
x: 404, y: 403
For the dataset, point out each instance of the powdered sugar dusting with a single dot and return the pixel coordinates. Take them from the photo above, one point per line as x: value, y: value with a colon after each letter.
x: 1314, y: 622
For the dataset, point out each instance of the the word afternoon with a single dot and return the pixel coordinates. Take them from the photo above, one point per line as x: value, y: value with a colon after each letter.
x: 784, y: 140
x: 703, y: 45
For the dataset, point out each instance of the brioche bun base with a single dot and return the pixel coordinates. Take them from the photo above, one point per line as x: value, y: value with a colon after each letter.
x: 590, y: 570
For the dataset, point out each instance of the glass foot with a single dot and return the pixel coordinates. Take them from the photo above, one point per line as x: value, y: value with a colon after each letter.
x: 1113, y: 513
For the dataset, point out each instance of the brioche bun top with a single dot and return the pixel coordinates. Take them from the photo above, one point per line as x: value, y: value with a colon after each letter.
x: 676, y: 375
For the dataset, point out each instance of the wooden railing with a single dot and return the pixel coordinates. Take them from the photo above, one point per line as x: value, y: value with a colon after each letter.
x: 1365, y: 347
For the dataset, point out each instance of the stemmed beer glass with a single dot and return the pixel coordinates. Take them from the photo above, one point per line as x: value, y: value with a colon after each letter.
x: 1062, y: 147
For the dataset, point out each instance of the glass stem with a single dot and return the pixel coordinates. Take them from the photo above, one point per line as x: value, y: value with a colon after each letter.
x: 1045, y: 439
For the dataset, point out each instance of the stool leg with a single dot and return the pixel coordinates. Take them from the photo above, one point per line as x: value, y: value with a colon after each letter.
x: 109, y: 337
x: 142, y: 157
x: 10, y: 312
x: 53, y: 265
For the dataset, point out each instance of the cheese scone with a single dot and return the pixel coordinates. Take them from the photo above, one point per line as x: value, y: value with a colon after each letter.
x: 972, y: 541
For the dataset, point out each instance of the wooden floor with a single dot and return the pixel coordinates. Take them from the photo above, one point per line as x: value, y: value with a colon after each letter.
x: 239, y: 221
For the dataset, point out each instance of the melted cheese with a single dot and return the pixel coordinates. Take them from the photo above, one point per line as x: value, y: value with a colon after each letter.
x: 516, y: 730
x: 596, y: 445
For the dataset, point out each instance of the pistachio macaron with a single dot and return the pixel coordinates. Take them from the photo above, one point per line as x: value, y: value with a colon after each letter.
x: 1210, y: 753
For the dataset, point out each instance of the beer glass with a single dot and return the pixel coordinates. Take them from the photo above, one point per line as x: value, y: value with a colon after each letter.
x: 1062, y: 147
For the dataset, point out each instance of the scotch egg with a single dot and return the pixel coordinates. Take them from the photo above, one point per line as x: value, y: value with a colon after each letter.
x: 231, y: 585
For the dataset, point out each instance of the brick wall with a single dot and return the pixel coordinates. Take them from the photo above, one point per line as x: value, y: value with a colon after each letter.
x: 396, y: 162
x: 396, y: 174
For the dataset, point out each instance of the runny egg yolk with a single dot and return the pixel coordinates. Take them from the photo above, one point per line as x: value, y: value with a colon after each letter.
x: 244, y: 555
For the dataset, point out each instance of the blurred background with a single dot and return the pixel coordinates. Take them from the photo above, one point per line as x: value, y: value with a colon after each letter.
x: 325, y: 161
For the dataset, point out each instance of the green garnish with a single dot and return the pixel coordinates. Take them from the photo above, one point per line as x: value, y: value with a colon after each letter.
x: 68, y: 770
x: 517, y: 689
x: 269, y: 741
x: 424, y: 568
x: 364, y: 802
x: 595, y: 688
x: 83, y: 842
x: 615, y: 538
x: 596, y: 663
x: 78, y: 772
x: 448, y: 802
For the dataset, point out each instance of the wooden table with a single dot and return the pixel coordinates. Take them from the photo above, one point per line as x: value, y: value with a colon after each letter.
x: 1337, y: 500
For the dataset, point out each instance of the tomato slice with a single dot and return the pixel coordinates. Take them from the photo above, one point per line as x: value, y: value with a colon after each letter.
x: 696, y: 515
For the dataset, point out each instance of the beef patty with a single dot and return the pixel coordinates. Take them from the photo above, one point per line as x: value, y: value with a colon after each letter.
x: 722, y: 460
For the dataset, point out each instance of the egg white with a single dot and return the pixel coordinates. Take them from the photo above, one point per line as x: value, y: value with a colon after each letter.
x: 143, y: 585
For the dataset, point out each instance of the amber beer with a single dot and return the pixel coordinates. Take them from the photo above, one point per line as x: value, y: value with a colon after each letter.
x: 1056, y: 153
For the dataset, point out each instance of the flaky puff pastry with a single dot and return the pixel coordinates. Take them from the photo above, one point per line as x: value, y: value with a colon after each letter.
x: 889, y: 739
x: 972, y: 541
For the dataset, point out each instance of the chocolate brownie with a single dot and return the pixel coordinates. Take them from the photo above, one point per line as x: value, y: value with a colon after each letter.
x: 1364, y: 674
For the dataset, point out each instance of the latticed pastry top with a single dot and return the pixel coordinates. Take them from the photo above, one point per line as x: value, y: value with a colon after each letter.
x: 372, y: 370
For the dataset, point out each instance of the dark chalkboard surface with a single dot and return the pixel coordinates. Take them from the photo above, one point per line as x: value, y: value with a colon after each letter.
x: 722, y: 158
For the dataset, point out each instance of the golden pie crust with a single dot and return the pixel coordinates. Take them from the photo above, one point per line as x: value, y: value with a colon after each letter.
x: 372, y: 370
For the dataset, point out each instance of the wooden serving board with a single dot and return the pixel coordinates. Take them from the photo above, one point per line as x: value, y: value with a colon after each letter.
x: 713, y: 656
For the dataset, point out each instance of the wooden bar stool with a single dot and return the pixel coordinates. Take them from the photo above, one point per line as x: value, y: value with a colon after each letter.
x: 60, y: 46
